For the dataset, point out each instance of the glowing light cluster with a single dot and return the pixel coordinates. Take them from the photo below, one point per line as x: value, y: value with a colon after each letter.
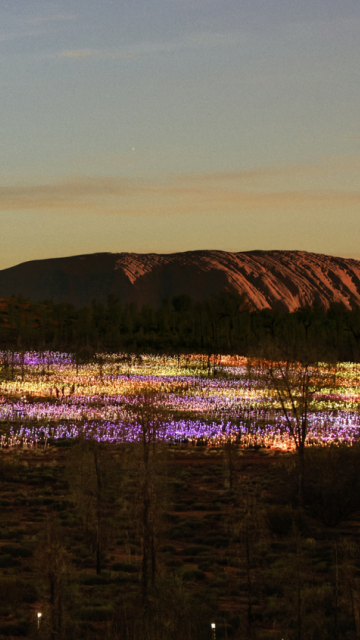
x: 48, y: 396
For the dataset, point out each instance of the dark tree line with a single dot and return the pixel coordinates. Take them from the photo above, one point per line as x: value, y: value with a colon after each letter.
x: 224, y: 323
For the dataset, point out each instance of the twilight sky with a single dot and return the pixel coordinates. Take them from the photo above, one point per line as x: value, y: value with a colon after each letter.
x: 170, y: 125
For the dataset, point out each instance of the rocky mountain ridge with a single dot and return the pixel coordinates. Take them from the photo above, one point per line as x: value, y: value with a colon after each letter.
x: 283, y: 280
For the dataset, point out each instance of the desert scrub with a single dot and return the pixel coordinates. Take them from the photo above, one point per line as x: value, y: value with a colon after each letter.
x: 98, y: 614
x: 192, y: 575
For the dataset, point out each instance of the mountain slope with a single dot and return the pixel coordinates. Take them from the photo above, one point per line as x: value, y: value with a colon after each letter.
x: 277, y: 279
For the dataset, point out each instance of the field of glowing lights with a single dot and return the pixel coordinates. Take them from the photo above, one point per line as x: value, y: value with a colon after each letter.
x: 49, y: 396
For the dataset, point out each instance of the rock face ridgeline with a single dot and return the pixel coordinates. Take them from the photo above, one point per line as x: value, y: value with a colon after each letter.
x: 283, y: 280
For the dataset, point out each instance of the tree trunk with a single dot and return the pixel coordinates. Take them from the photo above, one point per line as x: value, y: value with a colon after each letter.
x: 249, y: 583
x: 153, y: 556
x: 299, y: 601
x: 98, y: 512
x: 98, y: 556
x: 301, y: 453
x: 145, y: 554
x: 355, y: 597
x: 52, y: 606
x: 336, y: 591
x: 59, y: 624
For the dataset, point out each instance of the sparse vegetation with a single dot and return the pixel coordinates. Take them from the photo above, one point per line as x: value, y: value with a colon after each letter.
x: 259, y: 565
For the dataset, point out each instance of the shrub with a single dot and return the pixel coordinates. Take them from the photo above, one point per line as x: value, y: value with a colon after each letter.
x: 47, y: 477
x: 83, y: 552
x: 179, y: 506
x: 15, y: 534
x: 7, y: 561
x: 280, y: 520
x: 223, y: 500
x: 174, y: 562
x: 222, y: 561
x: 64, y: 515
x: 120, y: 578
x: 206, y: 566
x: 178, y: 484
x: 167, y: 548
x: 93, y: 579
x: 14, y: 629
x: 193, y: 574
x: 16, y: 552
x: 99, y: 613
x: 219, y: 542
x: 13, y: 591
x: 332, y: 483
x: 213, y: 517
x: 171, y: 517
x: 195, y: 550
x: 234, y: 562
x: 127, y: 567
x: 30, y: 594
x: 217, y: 582
x: 321, y: 567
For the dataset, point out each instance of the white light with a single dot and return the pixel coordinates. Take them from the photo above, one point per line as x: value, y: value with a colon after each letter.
x: 213, y: 625
x: 39, y: 615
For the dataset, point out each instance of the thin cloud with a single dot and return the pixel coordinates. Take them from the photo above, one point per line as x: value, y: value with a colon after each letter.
x: 81, y: 53
x: 98, y: 195
x: 196, y: 40
x: 77, y: 193
x: 58, y: 17
x: 33, y: 27
x: 332, y: 168
x: 321, y: 27
x: 94, y: 53
x: 18, y: 35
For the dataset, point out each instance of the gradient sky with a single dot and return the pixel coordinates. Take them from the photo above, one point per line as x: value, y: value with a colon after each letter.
x: 170, y: 125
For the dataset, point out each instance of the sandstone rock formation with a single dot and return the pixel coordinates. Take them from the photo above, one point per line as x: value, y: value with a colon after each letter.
x: 277, y: 279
